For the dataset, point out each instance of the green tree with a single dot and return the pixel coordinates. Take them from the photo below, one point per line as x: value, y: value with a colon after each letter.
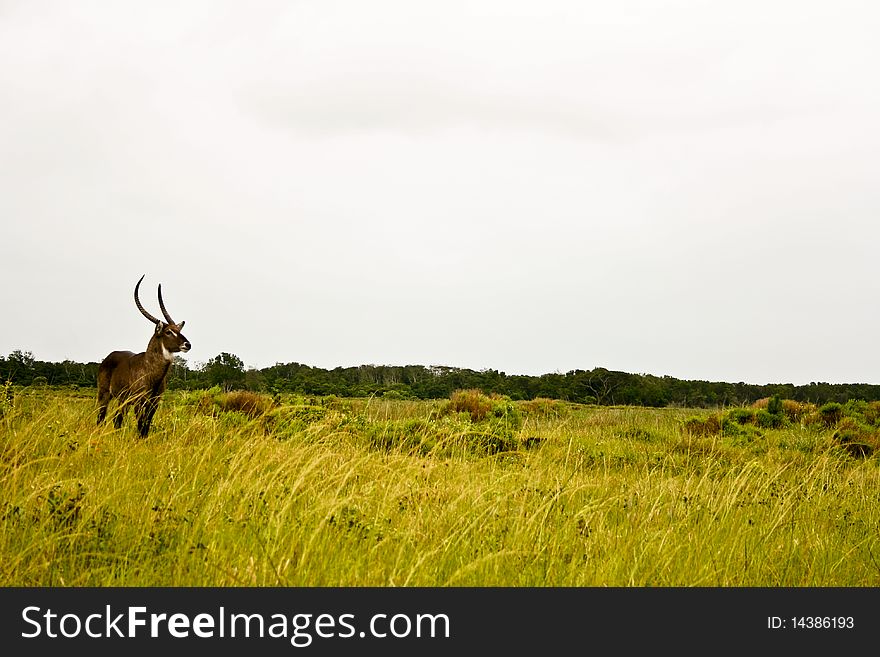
x: 254, y: 380
x: 20, y: 367
x: 225, y: 370
x: 178, y: 377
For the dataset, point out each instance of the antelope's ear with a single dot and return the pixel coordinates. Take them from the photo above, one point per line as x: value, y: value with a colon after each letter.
x: 180, y: 326
x: 159, y: 328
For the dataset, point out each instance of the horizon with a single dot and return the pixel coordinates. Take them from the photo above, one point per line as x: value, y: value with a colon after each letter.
x: 196, y: 365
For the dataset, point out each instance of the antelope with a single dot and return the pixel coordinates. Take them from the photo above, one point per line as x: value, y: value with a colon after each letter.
x: 139, y: 379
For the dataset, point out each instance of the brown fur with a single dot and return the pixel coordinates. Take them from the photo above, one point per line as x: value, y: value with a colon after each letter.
x: 138, y: 380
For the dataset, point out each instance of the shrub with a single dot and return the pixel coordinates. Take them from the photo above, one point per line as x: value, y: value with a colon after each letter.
x: 472, y: 402
x: 741, y: 415
x: 767, y: 420
x: 830, y: 414
x: 855, y: 438
x: 505, y: 413
x: 797, y: 411
x: 770, y: 412
x: 495, y: 409
x: 774, y: 405
x: 741, y: 433
x: 250, y: 404
x: 872, y: 413
x: 782, y: 409
x: 697, y: 426
x: 847, y: 429
x: 481, y: 423
x: 855, y: 408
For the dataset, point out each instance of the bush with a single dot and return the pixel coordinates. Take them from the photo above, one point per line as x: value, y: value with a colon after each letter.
x: 793, y: 411
x: 741, y: 415
x: 774, y: 405
x: 251, y: 404
x: 491, y: 422
x: 698, y: 426
x: 830, y: 414
x: 767, y: 420
x: 473, y: 402
x: 741, y: 433
x: 855, y: 438
x: 872, y: 413
x: 770, y: 412
x: 855, y: 408
x: 797, y: 411
x: 496, y: 409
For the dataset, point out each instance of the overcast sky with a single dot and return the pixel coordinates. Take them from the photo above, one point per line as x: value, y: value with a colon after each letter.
x: 669, y: 187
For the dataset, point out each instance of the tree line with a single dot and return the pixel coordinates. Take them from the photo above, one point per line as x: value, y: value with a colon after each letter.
x: 596, y: 386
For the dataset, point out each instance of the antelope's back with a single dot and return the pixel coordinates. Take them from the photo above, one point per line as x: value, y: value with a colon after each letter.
x: 112, y: 361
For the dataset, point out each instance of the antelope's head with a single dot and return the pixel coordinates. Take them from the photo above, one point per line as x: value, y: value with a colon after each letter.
x: 167, y: 333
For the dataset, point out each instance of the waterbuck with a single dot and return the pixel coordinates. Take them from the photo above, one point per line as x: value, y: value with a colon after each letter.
x: 139, y: 379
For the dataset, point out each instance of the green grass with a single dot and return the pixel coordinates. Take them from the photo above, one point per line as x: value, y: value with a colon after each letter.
x: 401, y: 493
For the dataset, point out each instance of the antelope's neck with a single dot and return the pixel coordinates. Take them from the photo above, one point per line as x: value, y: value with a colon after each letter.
x: 157, y: 351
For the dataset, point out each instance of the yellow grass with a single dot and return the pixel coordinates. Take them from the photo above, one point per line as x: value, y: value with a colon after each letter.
x: 393, y: 493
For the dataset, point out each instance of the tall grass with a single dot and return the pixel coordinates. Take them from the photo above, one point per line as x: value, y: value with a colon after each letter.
x: 402, y: 493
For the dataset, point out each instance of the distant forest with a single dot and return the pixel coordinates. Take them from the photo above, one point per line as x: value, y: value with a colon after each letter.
x: 596, y: 386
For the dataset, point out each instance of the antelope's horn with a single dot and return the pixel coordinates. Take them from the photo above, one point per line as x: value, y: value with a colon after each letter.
x: 162, y: 306
x: 138, y: 302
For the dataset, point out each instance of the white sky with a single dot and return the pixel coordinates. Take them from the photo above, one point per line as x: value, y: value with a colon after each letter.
x: 673, y: 187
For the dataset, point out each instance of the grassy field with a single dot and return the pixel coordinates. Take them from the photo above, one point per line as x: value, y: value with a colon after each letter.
x: 401, y: 493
